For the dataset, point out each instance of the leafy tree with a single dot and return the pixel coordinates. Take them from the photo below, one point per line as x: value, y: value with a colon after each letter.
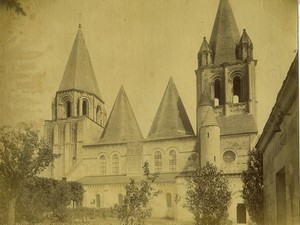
x: 76, y: 193
x: 32, y: 203
x: 22, y: 155
x: 134, y: 207
x: 253, y: 189
x: 14, y: 5
x: 208, y: 196
x: 42, y: 198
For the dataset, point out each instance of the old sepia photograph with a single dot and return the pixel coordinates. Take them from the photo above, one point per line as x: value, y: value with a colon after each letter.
x: 149, y: 112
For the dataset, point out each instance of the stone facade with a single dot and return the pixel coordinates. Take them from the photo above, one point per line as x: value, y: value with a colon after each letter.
x: 103, y: 154
x: 280, y: 145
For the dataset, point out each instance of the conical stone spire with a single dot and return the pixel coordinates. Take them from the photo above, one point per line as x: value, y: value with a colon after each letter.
x: 171, y: 119
x: 79, y: 74
x: 121, y: 125
x: 210, y: 119
x: 245, y: 39
x: 225, y: 34
x: 204, y: 46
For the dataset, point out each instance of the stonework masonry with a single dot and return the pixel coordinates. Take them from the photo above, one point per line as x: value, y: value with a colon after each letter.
x: 279, y: 143
x: 103, y: 153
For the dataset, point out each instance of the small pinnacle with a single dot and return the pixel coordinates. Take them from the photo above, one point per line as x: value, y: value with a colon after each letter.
x: 244, y: 30
x: 79, y: 26
x: 204, y: 38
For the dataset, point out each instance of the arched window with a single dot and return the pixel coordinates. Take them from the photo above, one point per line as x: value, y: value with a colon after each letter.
x: 169, y: 200
x: 68, y: 109
x: 241, y: 213
x: 102, y: 165
x: 85, y: 107
x: 237, y: 89
x: 172, y: 161
x: 98, y: 201
x: 98, y: 113
x: 158, y: 162
x: 217, y: 87
x: 120, y: 199
x: 115, y: 164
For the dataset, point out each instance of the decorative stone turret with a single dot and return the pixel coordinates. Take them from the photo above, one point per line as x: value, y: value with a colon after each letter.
x: 210, y: 139
x: 204, y: 54
x: 204, y: 105
x: 245, y: 47
x: 209, y: 132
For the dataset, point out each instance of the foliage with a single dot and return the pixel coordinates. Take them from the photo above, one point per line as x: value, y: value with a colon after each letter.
x: 134, y: 207
x: 14, y: 5
x: 253, y: 192
x: 208, y: 196
x: 43, y: 198
x: 22, y: 155
x: 76, y: 192
x: 60, y: 199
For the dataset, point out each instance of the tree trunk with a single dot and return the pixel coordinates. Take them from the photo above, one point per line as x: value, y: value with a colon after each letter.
x: 11, y: 211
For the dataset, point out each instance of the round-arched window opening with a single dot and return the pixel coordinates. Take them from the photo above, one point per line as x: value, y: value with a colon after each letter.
x: 85, y: 107
x: 229, y: 156
x: 217, y: 85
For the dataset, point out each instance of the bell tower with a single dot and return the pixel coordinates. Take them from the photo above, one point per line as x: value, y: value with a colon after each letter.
x: 226, y: 68
x: 226, y: 103
x: 78, y: 112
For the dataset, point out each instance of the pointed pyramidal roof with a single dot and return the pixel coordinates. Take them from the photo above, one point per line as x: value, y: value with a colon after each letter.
x: 204, y: 45
x: 225, y: 34
x: 79, y: 73
x: 210, y: 119
x: 171, y: 119
x: 121, y: 125
x: 245, y: 38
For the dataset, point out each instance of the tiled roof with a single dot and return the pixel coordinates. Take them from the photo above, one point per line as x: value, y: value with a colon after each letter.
x: 225, y: 34
x: 171, y: 119
x: 79, y: 73
x: 123, y: 179
x: 121, y: 125
x: 237, y: 124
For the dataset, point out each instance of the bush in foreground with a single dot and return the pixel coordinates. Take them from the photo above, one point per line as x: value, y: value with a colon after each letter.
x: 208, y: 196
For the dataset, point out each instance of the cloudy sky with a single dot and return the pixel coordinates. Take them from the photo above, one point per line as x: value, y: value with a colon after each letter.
x: 136, y: 43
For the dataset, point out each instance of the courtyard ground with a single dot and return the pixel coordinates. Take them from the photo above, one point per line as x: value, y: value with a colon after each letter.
x: 109, y: 221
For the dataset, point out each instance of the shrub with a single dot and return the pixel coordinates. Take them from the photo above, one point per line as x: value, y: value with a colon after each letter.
x: 41, y: 198
x: 208, y: 196
x: 134, y: 208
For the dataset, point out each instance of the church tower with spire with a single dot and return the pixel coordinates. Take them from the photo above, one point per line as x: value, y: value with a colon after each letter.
x: 226, y: 68
x: 226, y: 102
x: 77, y: 106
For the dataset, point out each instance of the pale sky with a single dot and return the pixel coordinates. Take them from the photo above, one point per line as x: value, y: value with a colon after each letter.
x: 135, y: 43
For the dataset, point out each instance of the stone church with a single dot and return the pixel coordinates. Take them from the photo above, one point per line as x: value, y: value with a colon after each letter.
x: 102, y: 152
